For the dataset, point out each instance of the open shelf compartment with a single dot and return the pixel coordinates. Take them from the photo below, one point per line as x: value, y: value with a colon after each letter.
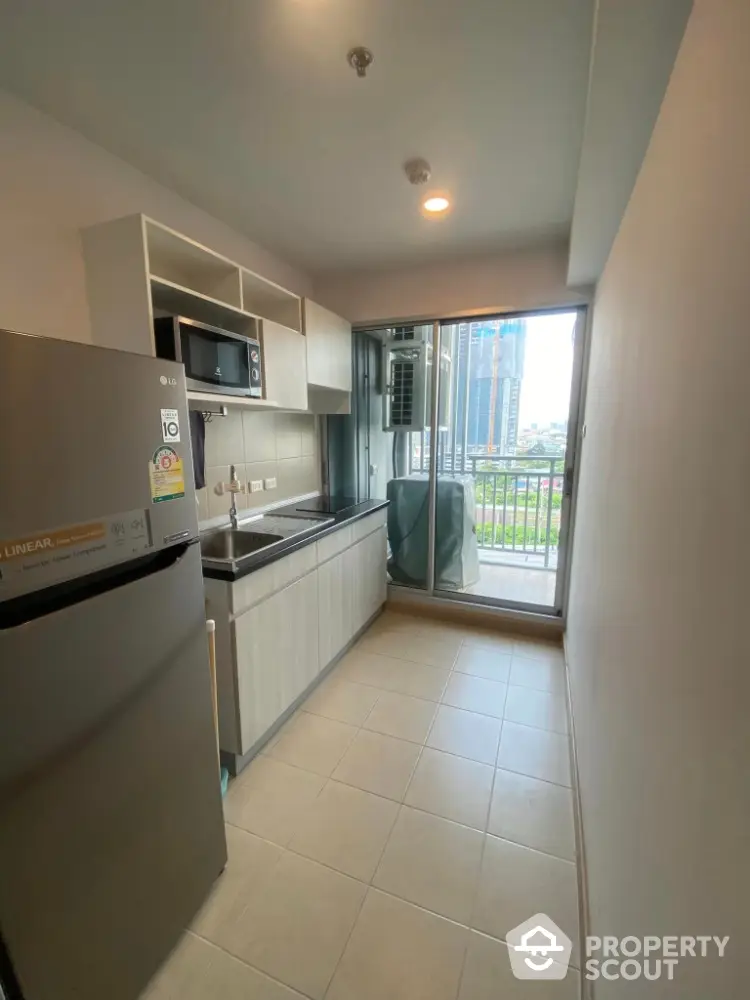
x: 174, y: 300
x: 182, y: 262
x: 271, y: 301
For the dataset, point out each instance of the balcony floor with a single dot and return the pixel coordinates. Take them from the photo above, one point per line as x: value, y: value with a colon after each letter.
x: 524, y: 582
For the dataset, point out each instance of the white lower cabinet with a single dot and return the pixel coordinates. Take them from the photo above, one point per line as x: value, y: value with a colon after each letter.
x: 372, y: 563
x: 256, y: 651
x: 276, y: 651
x: 352, y: 586
x: 335, y: 597
x: 299, y: 618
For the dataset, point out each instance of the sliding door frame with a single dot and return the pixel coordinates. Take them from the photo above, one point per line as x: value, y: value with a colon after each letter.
x: 569, y: 465
x: 570, y: 460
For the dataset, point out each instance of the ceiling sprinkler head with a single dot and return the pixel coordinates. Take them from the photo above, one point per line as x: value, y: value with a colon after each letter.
x: 360, y: 58
x: 418, y: 171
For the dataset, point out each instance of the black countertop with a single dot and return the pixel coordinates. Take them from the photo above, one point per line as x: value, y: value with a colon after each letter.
x: 280, y: 549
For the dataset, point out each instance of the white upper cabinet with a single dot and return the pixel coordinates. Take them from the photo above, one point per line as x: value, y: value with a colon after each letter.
x: 329, y: 348
x: 284, y: 365
x: 137, y: 268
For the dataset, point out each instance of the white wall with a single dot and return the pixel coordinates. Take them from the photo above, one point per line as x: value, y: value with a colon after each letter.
x: 658, y: 635
x: 526, y: 279
x: 53, y: 182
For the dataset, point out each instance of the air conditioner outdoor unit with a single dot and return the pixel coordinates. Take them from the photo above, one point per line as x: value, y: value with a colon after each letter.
x: 407, y: 364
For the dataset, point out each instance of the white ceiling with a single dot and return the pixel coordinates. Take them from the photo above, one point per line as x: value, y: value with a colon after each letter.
x: 249, y: 109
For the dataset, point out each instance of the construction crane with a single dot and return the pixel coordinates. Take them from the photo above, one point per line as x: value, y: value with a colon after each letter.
x: 493, y: 387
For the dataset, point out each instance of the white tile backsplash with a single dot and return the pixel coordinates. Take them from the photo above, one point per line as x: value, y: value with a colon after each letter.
x: 259, y: 431
x: 224, y: 440
x: 281, y: 446
x: 288, y: 436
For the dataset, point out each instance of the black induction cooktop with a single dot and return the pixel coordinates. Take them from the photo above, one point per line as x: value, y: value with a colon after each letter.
x: 327, y: 505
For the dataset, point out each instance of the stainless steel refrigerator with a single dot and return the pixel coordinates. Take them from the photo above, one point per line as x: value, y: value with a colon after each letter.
x: 111, y: 829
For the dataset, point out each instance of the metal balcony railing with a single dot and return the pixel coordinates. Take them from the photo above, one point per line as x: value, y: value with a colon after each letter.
x: 518, y: 499
x: 518, y: 503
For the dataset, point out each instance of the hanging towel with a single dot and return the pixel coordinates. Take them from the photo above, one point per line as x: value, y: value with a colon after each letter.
x: 198, y: 444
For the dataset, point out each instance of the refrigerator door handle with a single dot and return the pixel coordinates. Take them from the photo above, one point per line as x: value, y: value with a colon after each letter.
x: 38, y: 604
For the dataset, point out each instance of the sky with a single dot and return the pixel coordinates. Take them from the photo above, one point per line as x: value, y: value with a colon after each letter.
x: 547, y: 370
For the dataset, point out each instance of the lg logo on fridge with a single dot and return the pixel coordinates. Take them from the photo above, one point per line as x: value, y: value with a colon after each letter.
x: 167, y: 380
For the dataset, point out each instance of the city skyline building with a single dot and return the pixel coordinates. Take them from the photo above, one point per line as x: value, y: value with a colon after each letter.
x: 493, y: 351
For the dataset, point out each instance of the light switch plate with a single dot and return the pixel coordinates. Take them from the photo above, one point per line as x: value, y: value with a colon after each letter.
x: 271, y: 483
x: 256, y: 485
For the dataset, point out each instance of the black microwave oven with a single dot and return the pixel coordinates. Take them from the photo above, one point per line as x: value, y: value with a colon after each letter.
x: 215, y: 360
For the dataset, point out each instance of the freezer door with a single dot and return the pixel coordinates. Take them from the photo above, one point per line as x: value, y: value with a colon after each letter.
x: 95, y: 459
x: 111, y: 827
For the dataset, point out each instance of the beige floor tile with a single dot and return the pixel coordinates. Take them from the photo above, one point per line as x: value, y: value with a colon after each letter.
x: 436, y: 650
x: 433, y: 863
x: 516, y: 882
x: 399, y: 952
x: 537, y: 649
x: 543, y: 675
x: 314, y: 743
x: 360, y: 667
x: 451, y: 787
x: 475, y: 694
x: 281, y: 731
x: 498, y: 642
x: 534, y: 813
x: 251, y: 861
x: 341, y: 700
x: 390, y: 674
x: 481, y: 661
x: 295, y: 929
x: 401, y: 716
x: 346, y: 829
x: 393, y: 621
x: 269, y: 797
x: 535, y: 752
x: 197, y: 970
x: 465, y: 733
x: 417, y: 680
x: 541, y: 709
x: 488, y: 976
x: 379, y: 764
x: 436, y: 627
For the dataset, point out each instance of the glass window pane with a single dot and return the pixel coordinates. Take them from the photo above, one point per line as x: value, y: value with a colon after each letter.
x: 504, y: 404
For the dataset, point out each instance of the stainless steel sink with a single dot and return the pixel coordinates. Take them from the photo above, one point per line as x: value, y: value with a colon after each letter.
x: 232, y: 545
x: 229, y: 545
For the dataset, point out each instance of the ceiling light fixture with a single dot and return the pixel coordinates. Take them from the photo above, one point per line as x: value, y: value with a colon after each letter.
x: 418, y: 170
x: 436, y: 204
x: 360, y: 58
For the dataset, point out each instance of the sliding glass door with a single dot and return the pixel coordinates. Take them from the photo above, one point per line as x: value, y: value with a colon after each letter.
x: 469, y: 428
x: 504, y: 465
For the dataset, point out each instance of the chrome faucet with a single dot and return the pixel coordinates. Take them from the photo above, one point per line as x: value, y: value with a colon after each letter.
x: 235, y: 487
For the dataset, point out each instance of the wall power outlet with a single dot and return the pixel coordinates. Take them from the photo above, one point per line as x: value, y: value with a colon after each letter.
x: 256, y: 485
x: 271, y: 483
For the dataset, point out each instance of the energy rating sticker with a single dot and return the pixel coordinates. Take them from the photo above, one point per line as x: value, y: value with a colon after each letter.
x: 170, y: 426
x: 166, y: 475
